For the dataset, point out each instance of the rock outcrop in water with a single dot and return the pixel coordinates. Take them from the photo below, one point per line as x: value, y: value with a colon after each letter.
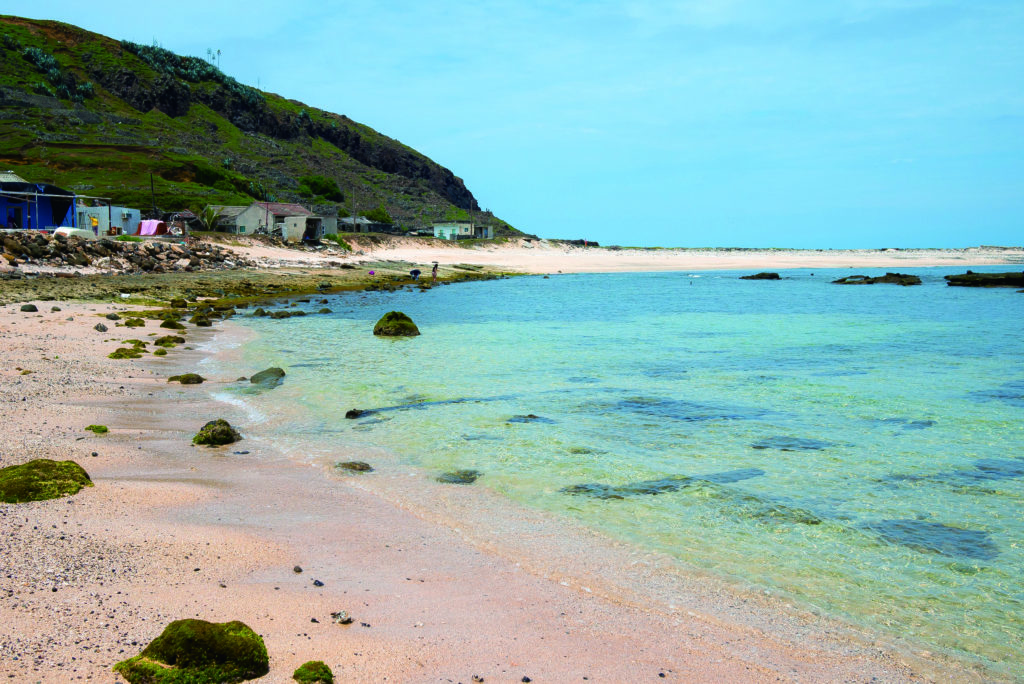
x: 269, y: 378
x: 395, y: 324
x: 894, y: 278
x: 764, y: 275
x: 971, y: 279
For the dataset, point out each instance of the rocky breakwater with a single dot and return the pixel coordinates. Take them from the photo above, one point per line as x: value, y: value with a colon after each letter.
x: 26, y: 252
x: 972, y: 279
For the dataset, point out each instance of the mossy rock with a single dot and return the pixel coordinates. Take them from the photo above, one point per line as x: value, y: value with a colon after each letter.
x: 98, y: 429
x: 179, y: 304
x: 112, y: 317
x: 135, y: 323
x: 271, y: 377
x: 125, y: 353
x: 355, y: 466
x: 169, y: 340
x: 216, y: 433
x: 41, y: 479
x: 313, y: 672
x: 459, y: 477
x: 160, y: 352
x: 199, y: 652
x: 187, y: 378
x: 325, y: 310
x: 173, y: 324
x: 395, y: 324
x: 200, y: 321
x: 29, y: 308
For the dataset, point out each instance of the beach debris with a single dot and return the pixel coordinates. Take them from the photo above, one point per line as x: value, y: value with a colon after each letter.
x: 395, y: 324
x: 100, y: 327
x: 29, y: 308
x: 240, y: 453
x: 341, y: 618
x: 972, y: 279
x: 763, y: 275
x: 269, y: 378
x: 199, y: 651
x: 317, y: 583
x: 459, y: 477
x: 98, y: 429
x: 894, y: 278
x: 216, y: 433
x: 313, y: 672
x: 477, y: 678
x: 41, y: 479
x: 187, y: 378
x: 356, y: 466
x: 95, y: 454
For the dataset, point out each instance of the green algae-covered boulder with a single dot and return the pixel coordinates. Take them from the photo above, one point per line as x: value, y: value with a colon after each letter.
x: 313, y: 672
x: 41, y: 479
x: 98, y: 429
x: 216, y: 433
x: 29, y: 308
x: 271, y: 377
x: 179, y: 303
x: 187, y: 379
x: 200, y: 321
x: 173, y: 324
x: 125, y: 353
x: 169, y: 340
x: 135, y: 323
x: 395, y: 324
x: 160, y: 352
x: 199, y: 652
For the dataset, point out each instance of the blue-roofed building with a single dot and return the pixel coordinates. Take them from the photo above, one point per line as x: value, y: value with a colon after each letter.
x: 34, y: 206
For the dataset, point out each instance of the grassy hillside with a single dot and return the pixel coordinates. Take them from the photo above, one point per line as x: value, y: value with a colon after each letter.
x: 99, y: 116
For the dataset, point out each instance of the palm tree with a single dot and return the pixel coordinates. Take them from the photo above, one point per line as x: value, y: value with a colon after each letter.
x: 209, y: 217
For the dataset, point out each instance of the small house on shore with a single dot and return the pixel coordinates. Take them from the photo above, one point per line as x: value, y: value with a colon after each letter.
x: 34, y: 206
x: 462, y: 230
x: 361, y: 224
x: 107, y: 219
x: 292, y: 222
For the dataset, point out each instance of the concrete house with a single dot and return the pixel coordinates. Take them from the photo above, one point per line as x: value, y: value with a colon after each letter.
x: 292, y: 222
x: 462, y: 230
x: 362, y: 224
x: 108, y: 219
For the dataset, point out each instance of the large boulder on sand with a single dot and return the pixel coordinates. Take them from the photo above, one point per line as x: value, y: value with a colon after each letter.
x: 199, y: 651
x: 395, y: 324
x: 217, y: 433
x: 41, y: 479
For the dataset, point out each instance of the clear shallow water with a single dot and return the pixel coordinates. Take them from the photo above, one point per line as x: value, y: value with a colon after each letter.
x: 857, y: 448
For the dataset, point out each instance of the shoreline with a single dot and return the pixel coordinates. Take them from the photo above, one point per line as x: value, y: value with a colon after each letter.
x: 506, y: 609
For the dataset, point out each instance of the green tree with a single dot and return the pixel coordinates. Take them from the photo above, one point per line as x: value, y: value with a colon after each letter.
x: 209, y: 217
x: 379, y: 215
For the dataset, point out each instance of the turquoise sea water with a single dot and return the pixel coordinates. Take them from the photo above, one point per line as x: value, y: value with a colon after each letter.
x: 856, y: 448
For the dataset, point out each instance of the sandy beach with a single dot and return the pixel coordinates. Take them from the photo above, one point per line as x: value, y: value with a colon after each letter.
x: 437, y: 589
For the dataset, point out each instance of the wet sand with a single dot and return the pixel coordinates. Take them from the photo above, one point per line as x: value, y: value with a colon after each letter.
x: 442, y: 583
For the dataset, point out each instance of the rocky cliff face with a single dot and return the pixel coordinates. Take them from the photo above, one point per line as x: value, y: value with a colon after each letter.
x: 221, y: 142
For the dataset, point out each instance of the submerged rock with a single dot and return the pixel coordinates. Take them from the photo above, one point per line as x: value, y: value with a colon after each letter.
x: 352, y: 414
x: 313, y: 672
x: 395, y: 324
x: 459, y: 477
x: 764, y: 275
x: 216, y: 433
x: 269, y: 378
x: 187, y: 378
x: 41, y: 479
x: 972, y: 279
x: 357, y: 466
x: 894, y: 278
x: 199, y: 652
x: 935, y: 537
x: 530, y: 418
x: 783, y: 443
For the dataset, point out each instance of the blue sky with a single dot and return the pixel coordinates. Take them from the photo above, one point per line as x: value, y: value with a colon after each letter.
x: 768, y: 123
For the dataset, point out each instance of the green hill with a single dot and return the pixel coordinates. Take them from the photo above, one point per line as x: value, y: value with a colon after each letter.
x: 98, y: 116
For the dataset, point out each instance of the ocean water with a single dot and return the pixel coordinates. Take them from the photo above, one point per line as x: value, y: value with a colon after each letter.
x: 857, y: 449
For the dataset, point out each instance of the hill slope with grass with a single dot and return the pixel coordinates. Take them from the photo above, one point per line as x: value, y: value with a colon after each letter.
x: 99, y: 116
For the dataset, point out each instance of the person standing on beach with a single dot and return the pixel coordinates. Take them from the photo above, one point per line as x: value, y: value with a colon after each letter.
x: 433, y: 274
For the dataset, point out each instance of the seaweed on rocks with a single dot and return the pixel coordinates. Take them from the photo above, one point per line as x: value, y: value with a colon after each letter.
x: 41, y: 479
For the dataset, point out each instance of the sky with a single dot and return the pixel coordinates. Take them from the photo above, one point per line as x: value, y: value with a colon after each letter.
x: 680, y: 123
